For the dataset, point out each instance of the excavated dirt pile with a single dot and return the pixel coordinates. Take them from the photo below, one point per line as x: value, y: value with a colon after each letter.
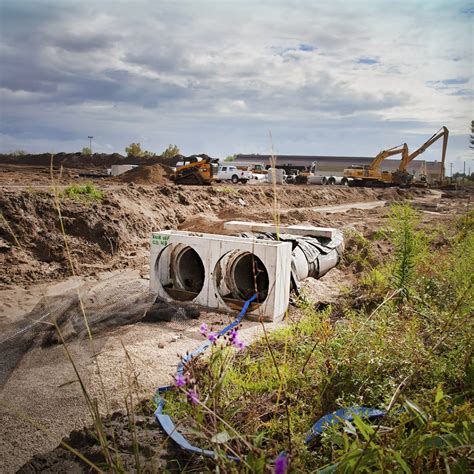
x: 154, y: 174
x: 79, y: 160
x: 114, y: 232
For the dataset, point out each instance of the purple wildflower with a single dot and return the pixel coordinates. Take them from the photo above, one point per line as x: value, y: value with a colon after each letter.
x: 238, y: 343
x: 212, y: 337
x: 180, y: 381
x: 203, y: 329
x: 281, y: 464
x: 234, y: 339
x: 192, y: 396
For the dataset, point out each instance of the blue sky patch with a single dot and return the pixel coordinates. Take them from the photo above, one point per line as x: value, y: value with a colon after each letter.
x: 367, y: 60
x: 453, y: 82
x: 306, y: 47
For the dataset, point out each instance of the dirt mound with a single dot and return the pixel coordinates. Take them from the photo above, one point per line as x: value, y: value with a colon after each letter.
x: 81, y: 161
x: 154, y: 174
x: 114, y: 233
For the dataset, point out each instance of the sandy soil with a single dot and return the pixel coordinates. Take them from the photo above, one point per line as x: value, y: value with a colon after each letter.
x: 42, y: 402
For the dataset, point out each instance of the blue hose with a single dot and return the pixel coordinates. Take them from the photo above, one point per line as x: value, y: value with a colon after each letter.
x: 165, y: 421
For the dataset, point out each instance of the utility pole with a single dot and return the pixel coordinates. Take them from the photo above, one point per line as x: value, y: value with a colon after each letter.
x: 90, y: 137
x: 450, y: 164
x: 464, y: 172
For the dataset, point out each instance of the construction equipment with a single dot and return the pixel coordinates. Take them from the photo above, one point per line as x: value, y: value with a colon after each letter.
x: 370, y: 175
x: 315, y: 176
x: 196, y: 171
x: 422, y: 180
x: 403, y: 178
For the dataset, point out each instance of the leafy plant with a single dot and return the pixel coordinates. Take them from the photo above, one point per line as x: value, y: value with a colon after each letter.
x: 135, y: 150
x: 86, y: 151
x: 85, y: 191
x: 421, y: 437
x: 170, y: 152
x: 408, y: 247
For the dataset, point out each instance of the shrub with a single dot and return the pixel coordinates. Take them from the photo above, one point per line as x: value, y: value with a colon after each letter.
x: 409, y: 247
x: 170, y: 152
x: 86, y: 191
x: 18, y: 153
x: 135, y: 150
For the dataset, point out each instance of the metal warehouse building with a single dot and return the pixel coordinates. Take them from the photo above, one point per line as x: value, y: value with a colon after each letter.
x: 336, y: 164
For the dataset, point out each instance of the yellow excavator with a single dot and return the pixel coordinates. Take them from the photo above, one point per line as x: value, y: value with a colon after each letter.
x: 197, y: 171
x: 401, y: 177
x: 371, y: 175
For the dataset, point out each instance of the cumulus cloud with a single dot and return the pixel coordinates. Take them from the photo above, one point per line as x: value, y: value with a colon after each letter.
x: 216, y: 76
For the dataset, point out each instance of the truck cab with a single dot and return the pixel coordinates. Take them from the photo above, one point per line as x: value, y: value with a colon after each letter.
x: 232, y: 173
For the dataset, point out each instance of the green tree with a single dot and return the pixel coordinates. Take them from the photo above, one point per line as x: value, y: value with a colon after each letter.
x: 409, y: 247
x: 18, y: 153
x: 471, y: 138
x: 135, y: 149
x: 170, y: 152
x: 86, y: 151
x: 230, y: 158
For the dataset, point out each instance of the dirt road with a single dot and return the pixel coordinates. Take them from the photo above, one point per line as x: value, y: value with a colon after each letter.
x: 347, y: 207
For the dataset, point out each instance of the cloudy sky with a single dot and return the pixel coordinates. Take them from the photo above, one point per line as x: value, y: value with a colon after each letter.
x: 215, y: 77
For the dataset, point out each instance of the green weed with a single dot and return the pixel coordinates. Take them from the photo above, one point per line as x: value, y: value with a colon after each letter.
x: 86, y: 191
x: 226, y: 189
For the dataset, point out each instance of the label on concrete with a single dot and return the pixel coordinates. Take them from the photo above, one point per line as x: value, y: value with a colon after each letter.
x: 160, y: 239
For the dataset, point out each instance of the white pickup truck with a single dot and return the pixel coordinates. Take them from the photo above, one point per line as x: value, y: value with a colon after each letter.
x: 232, y: 173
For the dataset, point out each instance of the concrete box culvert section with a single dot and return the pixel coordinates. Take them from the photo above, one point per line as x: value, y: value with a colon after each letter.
x: 232, y: 269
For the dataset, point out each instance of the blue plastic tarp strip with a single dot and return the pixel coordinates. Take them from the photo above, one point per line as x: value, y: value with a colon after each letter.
x: 338, y: 416
x: 165, y: 421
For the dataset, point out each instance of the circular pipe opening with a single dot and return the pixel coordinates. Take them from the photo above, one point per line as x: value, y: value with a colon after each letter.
x: 239, y: 275
x: 249, y: 276
x: 184, y: 278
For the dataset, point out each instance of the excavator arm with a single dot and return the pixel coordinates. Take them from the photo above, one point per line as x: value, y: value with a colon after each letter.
x: 403, y: 149
x: 370, y: 175
x: 406, y: 160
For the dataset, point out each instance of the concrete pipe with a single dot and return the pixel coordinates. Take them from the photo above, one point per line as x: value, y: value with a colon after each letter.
x: 221, y: 271
x: 182, y: 275
x: 311, y: 256
x: 239, y: 275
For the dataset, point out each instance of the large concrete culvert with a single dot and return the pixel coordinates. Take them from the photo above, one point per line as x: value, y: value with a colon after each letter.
x: 221, y: 272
